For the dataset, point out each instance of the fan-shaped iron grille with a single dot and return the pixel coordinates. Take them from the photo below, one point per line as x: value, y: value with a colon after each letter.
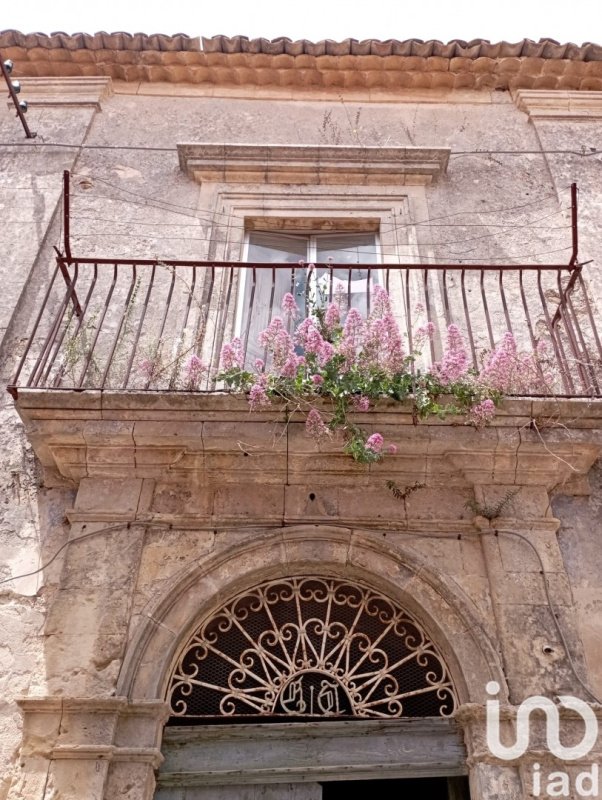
x: 310, y: 647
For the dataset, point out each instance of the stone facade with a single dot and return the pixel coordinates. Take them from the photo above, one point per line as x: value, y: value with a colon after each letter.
x: 128, y: 518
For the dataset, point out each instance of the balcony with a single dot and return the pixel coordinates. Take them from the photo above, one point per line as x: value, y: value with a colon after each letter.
x: 131, y: 326
x: 93, y: 408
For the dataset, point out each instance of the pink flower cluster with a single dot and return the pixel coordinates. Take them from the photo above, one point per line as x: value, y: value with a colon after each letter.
x: 454, y: 363
x: 258, y: 396
x: 511, y: 372
x: 315, y: 426
x: 482, y: 413
x: 232, y: 356
x: 194, y: 369
x: 375, y: 443
x: 280, y: 345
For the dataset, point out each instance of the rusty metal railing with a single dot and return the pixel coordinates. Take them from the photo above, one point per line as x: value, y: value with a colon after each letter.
x: 132, y: 325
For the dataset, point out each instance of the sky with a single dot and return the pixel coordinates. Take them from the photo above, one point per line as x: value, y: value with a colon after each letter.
x: 575, y: 21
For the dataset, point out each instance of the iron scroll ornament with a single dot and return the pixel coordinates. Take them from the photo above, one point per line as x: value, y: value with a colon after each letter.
x: 310, y: 647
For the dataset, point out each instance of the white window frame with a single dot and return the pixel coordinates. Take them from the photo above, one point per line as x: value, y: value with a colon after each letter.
x: 312, y: 250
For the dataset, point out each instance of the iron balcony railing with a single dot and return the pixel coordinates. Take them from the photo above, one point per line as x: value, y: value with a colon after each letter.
x: 132, y: 325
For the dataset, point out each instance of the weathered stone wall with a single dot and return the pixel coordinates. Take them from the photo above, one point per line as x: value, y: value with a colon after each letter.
x: 183, y: 509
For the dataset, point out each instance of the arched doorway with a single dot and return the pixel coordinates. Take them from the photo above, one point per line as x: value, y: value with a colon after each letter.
x: 352, y: 685
x: 310, y: 647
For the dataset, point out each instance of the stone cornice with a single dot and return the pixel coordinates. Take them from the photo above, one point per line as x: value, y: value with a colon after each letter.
x: 313, y: 164
x: 213, y: 437
x: 569, y: 105
x: 64, y: 91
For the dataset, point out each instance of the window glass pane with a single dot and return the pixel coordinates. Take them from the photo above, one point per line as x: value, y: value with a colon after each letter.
x: 347, y: 248
x: 270, y: 248
x: 265, y: 288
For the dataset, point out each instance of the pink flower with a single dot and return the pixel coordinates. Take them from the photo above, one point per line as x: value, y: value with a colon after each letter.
x: 325, y: 353
x: 375, y: 443
x: 259, y: 364
x: 291, y: 365
x: 392, y: 449
x: 361, y: 402
x: 194, y: 369
x: 383, y: 348
x: 352, y: 339
x: 381, y: 305
x: 147, y: 368
x: 309, y: 337
x: 317, y: 380
x: 278, y: 342
x: 481, y: 413
x: 232, y: 355
x: 511, y: 372
x: 332, y: 317
x: 315, y: 426
x: 258, y: 397
x: 289, y: 306
x: 424, y: 333
x: 454, y: 363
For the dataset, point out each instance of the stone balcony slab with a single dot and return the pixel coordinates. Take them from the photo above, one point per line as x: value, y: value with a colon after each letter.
x: 213, y: 440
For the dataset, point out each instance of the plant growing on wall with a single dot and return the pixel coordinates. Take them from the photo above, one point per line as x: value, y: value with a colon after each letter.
x: 336, y: 363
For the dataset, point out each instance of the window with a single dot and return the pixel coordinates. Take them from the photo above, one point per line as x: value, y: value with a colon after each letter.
x: 262, y: 288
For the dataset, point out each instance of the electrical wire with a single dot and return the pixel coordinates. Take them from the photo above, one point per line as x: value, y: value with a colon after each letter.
x: 39, y: 142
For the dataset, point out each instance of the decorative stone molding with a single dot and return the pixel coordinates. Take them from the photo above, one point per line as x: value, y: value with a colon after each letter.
x: 312, y: 164
x: 49, y: 92
x: 212, y: 437
x: 107, y: 737
x: 407, y: 578
x: 558, y: 104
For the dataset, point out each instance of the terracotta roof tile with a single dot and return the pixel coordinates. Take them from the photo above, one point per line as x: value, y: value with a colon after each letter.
x: 352, y: 63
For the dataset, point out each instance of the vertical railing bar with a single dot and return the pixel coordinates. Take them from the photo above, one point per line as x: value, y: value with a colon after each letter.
x: 17, y: 373
x: 504, y: 304
x: 486, y: 310
x: 427, y: 301
x: 567, y: 322
x: 80, y: 321
x: 191, y: 289
x: 74, y: 311
x: 475, y: 362
x: 41, y: 359
x: 272, y: 295
x: 163, y: 321
x: 368, y: 290
x: 330, y: 282
x: 119, y: 327
x: 590, y: 314
x: 586, y: 369
x: 218, y: 328
x: 447, y: 310
x: 349, y: 288
x: 47, y: 358
x: 245, y: 343
x: 530, y: 327
x: 99, y: 327
x: 408, y: 299
x: 139, y: 328
x: 556, y: 341
x: 208, y: 298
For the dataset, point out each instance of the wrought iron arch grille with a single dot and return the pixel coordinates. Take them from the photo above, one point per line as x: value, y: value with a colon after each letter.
x: 310, y: 647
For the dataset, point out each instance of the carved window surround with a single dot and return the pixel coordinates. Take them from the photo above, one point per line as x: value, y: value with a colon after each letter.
x: 558, y: 104
x: 312, y: 164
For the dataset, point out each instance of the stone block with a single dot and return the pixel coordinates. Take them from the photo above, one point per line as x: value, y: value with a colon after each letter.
x: 119, y: 496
